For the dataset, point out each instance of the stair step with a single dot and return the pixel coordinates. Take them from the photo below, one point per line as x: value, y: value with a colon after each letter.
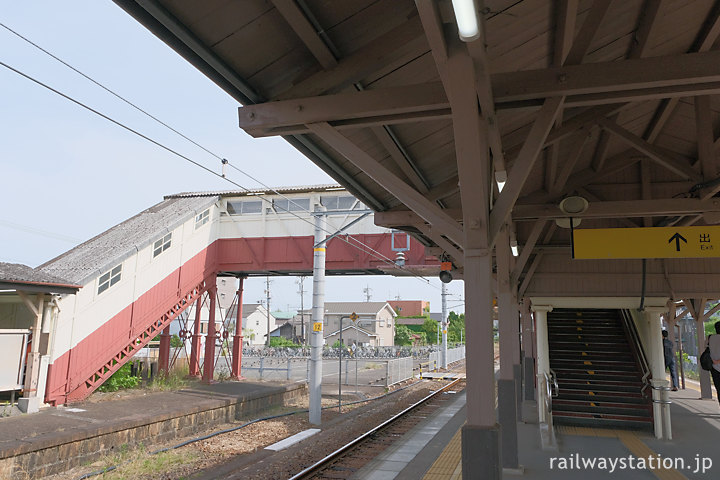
x: 615, y: 421
x: 600, y: 396
x: 603, y: 385
x: 602, y: 365
x: 601, y: 407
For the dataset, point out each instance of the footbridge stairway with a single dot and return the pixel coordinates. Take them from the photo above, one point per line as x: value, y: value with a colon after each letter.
x: 597, y: 367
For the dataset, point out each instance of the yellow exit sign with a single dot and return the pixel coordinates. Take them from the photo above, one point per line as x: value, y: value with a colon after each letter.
x: 654, y: 242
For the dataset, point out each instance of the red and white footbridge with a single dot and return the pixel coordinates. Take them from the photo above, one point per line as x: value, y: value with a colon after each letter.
x: 140, y: 275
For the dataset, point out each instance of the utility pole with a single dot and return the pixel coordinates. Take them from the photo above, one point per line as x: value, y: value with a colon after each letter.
x: 318, y: 314
x: 367, y: 291
x: 443, y: 355
x: 267, y: 299
x: 301, y: 282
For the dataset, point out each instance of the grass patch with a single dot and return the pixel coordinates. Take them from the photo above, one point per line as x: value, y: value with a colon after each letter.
x: 140, y: 464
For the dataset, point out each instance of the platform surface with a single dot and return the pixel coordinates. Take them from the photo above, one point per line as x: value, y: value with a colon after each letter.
x: 55, y: 426
x: 431, y: 450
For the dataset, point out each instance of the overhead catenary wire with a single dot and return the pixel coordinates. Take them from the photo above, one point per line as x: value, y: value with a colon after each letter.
x: 366, y: 248
x: 359, y: 245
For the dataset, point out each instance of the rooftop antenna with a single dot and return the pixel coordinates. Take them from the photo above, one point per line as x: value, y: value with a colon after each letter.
x: 367, y: 291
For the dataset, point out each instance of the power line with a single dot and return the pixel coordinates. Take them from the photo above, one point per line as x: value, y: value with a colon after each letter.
x: 367, y: 249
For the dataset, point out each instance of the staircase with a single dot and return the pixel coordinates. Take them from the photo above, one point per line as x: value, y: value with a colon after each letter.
x: 597, y: 370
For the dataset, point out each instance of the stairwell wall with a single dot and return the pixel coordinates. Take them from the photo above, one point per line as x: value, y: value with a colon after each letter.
x: 93, y: 326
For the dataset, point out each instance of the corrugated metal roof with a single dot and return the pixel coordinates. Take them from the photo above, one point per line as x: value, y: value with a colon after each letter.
x: 111, y: 247
x: 19, y: 273
x: 267, y: 191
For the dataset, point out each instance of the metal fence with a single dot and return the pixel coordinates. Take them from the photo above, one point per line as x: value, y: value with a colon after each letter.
x: 453, y: 355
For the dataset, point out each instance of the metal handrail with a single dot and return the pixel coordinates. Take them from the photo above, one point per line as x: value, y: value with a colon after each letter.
x: 637, y: 345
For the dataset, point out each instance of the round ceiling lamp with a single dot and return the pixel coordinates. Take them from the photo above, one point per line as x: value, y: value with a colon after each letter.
x: 571, y: 206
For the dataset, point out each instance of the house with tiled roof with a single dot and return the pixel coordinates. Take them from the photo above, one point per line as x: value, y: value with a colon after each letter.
x: 376, y: 321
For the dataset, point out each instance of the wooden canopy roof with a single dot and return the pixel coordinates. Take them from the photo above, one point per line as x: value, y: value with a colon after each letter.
x: 614, y: 101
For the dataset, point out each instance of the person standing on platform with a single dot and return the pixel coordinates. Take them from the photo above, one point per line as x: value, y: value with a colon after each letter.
x: 670, y: 360
x: 713, y: 342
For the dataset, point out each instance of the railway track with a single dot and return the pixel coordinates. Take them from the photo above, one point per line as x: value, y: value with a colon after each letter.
x: 348, y: 459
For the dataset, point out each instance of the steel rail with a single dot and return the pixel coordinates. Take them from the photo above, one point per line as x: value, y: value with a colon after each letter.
x: 332, y: 456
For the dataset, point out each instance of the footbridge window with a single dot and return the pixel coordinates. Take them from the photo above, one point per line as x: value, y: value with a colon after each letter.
x: 343, y: 202
x: 162, y: 244
x: 291, y: 205
x: 245, y: 207
x: 202, y: 218
x: 109, y: 278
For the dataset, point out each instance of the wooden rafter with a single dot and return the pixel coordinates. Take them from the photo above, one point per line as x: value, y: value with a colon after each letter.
x: 297, y: 20
x: 523, y: 165
x: 658, y: 156
x: 620, y: 208
x: 572, y: 158
x: 608, y: 82
x: 386, y: 179
x: 527, y: 249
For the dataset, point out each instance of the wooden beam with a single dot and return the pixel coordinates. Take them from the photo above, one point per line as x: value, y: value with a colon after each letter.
x: 601, y: 149
x: 704, y: 128
x: 613, y: 165
x: 645, y: 192
x: 648, y: 15
x: 375, y: 106
x: 400, y: 156
x: 471, y: 148
x: 442, y: 242
x: 388, y: 51
x: 591, y: 197
x: 587, y: 32
x: 682, y: 169
x: 387, y: 180
x: 527, y: 249
x: 444, y: 189
x: 528, y: 276
x: 523, y: 165
x: 646, y: 75
x: 706, y: 38
x: 297, y: 20
x: 566, y: 15
x: 408, y: 218
x: 483, y: 88
x: 570, y: 162
x: 624, y: 208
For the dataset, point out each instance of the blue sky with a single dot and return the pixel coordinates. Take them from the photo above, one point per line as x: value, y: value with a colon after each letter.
x: 69, y: 175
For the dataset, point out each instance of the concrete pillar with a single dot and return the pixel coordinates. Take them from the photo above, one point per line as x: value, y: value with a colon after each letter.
x: 318, y: 315
x: 196, y: 337
x: 656, y: 361
x: 528, y: 349
x: 236, y: 373
x: 507, y: 316
x: 543, y: 357
x: 164, y: 353
x: 209, y: 362
x: 480, y: 434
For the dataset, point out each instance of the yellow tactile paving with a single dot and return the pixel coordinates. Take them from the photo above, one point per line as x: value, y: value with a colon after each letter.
x: 631, y: 441
x: 448, y: 465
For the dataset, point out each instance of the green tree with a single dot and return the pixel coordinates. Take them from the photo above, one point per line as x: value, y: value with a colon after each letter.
x: 402, y: 335
x: 456, y: 326
x: 430, y: 329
